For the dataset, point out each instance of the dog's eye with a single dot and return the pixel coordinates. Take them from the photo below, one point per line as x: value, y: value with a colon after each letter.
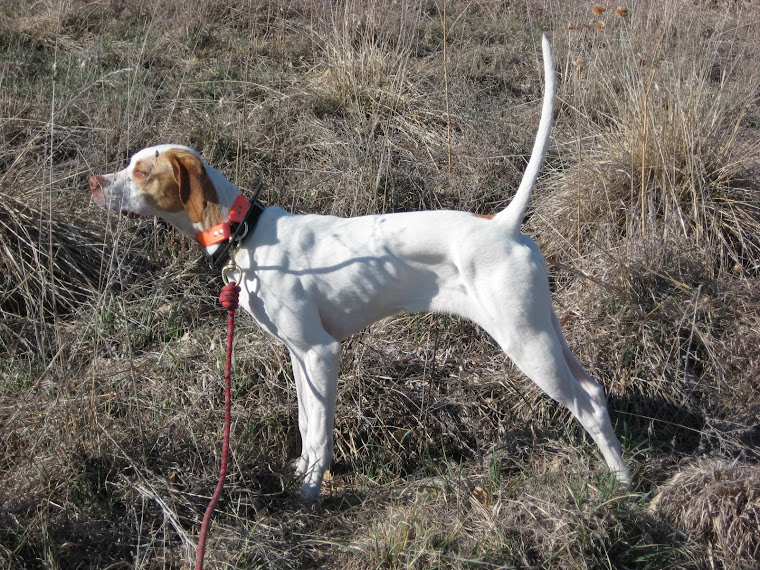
x: 137, y: 173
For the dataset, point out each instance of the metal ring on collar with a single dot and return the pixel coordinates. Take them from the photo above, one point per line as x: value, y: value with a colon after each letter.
x: 241, y: 236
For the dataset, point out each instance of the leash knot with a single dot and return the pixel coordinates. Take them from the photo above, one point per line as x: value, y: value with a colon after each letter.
x: 229, y: 296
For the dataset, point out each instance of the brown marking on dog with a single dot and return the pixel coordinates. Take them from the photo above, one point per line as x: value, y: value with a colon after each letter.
x: 176, y: 180
x: 157, y: 183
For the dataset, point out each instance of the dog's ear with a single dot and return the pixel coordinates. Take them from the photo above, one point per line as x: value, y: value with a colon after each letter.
x: 195, y: 189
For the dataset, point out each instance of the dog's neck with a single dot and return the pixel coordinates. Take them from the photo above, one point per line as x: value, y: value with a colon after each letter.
x: 226, y: 191
x: 227, y: 195
x: 239, y: 217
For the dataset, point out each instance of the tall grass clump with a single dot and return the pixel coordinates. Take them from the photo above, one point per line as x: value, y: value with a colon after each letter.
x: 719, y: 505
x: 660, y: 98
x: 650, y: 218
x: 367, y: 74
x: 49, y: 269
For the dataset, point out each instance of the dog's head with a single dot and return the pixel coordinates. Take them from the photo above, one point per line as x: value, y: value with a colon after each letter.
x: 167, y: 181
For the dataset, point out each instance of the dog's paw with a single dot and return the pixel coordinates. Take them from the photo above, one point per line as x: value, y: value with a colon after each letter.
x: 309, y: 493
x: 624, y: 478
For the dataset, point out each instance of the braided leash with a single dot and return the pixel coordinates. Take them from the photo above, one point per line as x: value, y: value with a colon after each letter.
x: 229, y: 300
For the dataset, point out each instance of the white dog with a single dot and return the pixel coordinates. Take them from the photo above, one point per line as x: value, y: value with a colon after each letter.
x: 312, y: 281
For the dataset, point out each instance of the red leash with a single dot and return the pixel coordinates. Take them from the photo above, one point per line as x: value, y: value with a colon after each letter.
x: 229, y: 300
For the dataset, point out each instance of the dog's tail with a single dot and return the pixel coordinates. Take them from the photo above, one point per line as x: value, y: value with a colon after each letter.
x: 512, y: 216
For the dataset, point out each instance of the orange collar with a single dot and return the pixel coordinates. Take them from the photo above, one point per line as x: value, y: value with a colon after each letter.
x: 223, y: 231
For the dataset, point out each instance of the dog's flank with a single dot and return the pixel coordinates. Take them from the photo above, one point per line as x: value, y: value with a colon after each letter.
x: 312, y: 281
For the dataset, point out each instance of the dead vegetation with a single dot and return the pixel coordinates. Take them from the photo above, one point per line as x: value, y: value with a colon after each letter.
x: 110, y: 344
x: 719, y: 504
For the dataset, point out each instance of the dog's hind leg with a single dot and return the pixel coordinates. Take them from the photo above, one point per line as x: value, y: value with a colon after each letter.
x: 594, y: 389
x: 542, y: 354
x: 606, y: 440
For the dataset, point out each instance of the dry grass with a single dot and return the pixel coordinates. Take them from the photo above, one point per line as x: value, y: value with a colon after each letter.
x: 653, y: 206
x: 663, y: 149
x: 111, y: 346
x: 718, y: 504
x: 49, y: 269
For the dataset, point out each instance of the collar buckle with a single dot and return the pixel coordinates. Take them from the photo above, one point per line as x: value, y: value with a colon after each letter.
x: 223, y: 231
x: 242, y: 220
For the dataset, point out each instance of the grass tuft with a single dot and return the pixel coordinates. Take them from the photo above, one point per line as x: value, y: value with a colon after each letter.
x: 718, y: 504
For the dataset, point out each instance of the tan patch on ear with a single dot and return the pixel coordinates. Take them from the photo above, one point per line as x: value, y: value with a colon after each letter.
x: 195, y: 192
x: 485, y: 216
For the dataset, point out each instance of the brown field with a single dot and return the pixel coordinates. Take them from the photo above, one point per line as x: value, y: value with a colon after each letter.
x: 648, y: 211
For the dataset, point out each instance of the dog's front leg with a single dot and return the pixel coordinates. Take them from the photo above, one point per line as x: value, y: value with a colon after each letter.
x: 300, y: 463
x: 316, y: 374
